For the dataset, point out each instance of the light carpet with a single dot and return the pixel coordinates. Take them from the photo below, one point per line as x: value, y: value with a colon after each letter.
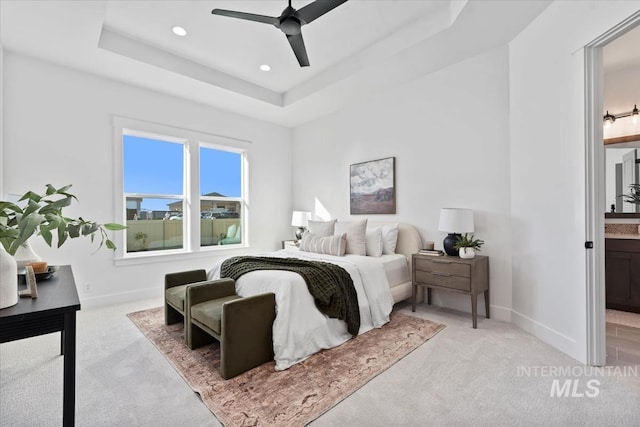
x: 298, y: 395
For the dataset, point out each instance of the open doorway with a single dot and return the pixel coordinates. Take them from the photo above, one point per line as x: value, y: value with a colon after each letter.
x: 613, y: 275
x: 621, y: 96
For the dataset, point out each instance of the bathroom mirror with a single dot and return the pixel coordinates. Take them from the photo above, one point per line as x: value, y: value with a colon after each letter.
x: 622, y: 168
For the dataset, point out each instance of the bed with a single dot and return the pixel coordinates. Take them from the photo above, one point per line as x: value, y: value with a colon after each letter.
x: 300, y: 330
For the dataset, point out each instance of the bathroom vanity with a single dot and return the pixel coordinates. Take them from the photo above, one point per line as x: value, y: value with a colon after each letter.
x: 622, y: 271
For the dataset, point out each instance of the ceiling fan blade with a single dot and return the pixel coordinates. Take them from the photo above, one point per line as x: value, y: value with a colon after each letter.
x: 247, y: 16
x: 297, y: 44
x: 316, y: 9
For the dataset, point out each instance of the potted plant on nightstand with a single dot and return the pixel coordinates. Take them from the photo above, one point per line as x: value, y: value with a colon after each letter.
x: 467, y: 245
x: 40, y: 214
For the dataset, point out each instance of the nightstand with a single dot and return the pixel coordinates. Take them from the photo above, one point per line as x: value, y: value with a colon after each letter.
x: 289, y: 244
x: 467, y: 276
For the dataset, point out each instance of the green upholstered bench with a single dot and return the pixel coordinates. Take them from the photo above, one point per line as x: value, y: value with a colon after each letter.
x: 175, y: 287
x: 243, y: 326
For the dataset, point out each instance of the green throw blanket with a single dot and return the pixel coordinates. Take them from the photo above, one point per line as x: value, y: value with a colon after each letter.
x: 330, y: 285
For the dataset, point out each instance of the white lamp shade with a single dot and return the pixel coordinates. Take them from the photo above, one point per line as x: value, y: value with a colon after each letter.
x: 455, y: 220
x: 300, y: 218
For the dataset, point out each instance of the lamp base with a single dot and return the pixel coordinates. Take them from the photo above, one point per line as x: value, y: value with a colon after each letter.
x: 299, y: 232
x: 449, y: 242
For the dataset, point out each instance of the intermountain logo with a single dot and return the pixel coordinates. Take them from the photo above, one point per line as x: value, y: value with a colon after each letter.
x: 572, y: 388
x: 576, y: 381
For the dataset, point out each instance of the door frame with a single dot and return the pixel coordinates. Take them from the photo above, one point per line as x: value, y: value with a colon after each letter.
x: 595, y: 190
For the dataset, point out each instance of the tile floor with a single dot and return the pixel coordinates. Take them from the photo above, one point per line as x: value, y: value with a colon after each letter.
x: 623, y: 338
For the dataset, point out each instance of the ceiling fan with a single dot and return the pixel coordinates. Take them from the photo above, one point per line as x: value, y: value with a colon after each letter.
x: 290, y: 22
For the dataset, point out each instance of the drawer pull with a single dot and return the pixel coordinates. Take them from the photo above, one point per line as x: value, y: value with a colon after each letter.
x: 435, y: 273
x: 441, y: 262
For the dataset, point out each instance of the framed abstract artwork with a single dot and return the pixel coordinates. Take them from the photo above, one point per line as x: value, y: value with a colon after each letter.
x: 373, y: 187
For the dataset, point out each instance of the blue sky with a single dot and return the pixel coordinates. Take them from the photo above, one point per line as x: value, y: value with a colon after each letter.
x: 152, y: 166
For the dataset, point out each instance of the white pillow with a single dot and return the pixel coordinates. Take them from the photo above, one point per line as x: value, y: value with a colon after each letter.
x: 322, y: 228
x: 374, y: 242
x: 389, y: 239
x: 356, y: 236
x: 328, y: 245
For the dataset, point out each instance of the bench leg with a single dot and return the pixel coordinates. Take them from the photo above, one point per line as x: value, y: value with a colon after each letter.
x: 171, y: 315
x: 194, y: 337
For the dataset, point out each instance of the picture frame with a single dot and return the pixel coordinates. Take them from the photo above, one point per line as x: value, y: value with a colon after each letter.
x: 32, y: 288
x: 372, y: 188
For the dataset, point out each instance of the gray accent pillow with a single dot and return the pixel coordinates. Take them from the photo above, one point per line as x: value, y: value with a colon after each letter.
x: 356, y: 236
x: 322, y: 228
x: 328, y: 245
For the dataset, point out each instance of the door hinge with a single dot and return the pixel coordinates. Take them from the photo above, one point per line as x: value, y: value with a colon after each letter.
x: 588, y: 245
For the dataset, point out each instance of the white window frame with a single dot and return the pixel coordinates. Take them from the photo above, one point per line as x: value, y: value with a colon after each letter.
x: 191, y: 141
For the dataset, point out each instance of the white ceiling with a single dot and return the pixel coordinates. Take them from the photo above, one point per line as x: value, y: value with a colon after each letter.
x: 359, y: 48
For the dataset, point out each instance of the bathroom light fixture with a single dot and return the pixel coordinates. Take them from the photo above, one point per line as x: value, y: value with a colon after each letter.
x: 265, y: 67
x: 610, y: 118
x: 179, y: 31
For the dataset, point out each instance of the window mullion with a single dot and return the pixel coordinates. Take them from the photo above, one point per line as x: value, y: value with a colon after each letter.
x: 192, y: 194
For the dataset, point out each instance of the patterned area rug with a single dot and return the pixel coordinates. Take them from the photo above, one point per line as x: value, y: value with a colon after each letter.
x: 298, y: 395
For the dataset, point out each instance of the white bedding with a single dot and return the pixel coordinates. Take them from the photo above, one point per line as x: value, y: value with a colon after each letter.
x: 396, y: 268
x: 300, y: 330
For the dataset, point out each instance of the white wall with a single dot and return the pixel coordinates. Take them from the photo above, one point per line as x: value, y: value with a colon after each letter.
x: 548, y: 168
x: 449, y: 133
x: 621, y: 93
x: 58, y: 130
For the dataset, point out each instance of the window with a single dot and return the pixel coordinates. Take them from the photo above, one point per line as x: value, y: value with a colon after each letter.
x: 221, y: 197
x: 181, y: 191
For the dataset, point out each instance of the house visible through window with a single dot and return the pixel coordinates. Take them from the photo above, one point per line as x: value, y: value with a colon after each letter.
x: 165, y: 208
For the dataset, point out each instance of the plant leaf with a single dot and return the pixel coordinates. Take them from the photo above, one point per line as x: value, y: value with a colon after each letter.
x: 114, y: 227
x: 30, y: 195
x: 73, y: 230
x: 46, y: 235
x: 62, y: 232
x: 54, y: 206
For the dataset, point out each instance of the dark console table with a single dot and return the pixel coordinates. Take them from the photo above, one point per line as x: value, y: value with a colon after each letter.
x: 53, y: 311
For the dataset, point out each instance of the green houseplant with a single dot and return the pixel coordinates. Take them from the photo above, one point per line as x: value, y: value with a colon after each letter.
x: 468, y: 245
x: 634, y: 194
x: 41, y: 214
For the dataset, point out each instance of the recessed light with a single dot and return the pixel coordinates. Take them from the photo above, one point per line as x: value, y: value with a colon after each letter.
x: 265, y: 67
x: 179, y: 31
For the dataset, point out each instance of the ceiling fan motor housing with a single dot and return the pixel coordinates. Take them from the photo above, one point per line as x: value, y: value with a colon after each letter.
x: 290, y: 26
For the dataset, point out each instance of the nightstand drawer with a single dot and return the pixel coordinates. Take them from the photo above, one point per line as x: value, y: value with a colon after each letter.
x: 443, y: 267
x: 444, y: 280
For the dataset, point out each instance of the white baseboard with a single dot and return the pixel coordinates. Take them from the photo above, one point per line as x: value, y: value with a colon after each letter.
x: 502, y: 314
x: 122, y: 297
x: 552, y: 337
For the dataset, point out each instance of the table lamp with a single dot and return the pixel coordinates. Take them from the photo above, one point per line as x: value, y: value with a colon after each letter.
x: 300, y: 219
x: 454, y: 221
